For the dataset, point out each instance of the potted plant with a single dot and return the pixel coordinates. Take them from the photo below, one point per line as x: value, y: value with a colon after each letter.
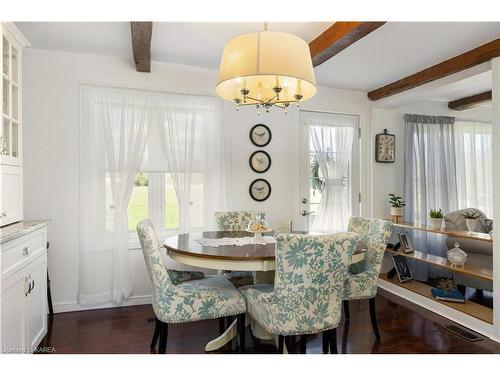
x: 471, y: 219
x: 436, y: 218
x: 397, y: 204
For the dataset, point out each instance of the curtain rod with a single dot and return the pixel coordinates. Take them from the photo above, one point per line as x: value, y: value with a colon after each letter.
x: 125, y: 87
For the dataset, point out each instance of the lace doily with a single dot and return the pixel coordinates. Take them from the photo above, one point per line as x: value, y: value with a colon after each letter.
x: 235, y: 241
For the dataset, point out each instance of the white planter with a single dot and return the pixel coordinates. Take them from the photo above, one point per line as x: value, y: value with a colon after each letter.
x: 436, y: 223
x: 396, y: 211
x: 471, y: 224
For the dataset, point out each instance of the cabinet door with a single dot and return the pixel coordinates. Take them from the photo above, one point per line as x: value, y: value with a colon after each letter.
x: 11, y: 203
x: 36, y: 303
x: 13, y: 320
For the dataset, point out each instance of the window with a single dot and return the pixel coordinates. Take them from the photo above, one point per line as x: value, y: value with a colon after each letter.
x: 138, y: 204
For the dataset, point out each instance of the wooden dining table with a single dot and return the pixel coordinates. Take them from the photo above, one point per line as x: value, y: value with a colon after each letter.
x: 185, y: 248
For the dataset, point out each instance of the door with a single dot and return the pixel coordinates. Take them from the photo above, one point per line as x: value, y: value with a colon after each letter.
x: 11, y: 191
x: 329, y: 171
x: 13, y: 328
x: 36, y: 303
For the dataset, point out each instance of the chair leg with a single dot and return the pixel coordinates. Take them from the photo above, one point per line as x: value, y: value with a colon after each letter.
x: 222, y: 325
x: 241, y: 331
x: 155, y: 334
x: 333, y: 341
x: 163, y: 338
x: 303, y: 344
x: 325, y: 339
x: 281, y: 340
x: 347, y: 313
x: 373, y: 317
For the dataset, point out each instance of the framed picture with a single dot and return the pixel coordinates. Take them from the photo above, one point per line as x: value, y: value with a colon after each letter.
x: 260, y: 190
x: 260, y: 135
x: 404, y: 273
x: 385, y: 147
x: 260, y: 161
x: 405, y: 242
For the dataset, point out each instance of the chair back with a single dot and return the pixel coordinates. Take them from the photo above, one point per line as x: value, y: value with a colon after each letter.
x: 158, y: 273
x: 373, y: 234
x: 283, y: 227
x: 310, y: 275
x: 233, y: 220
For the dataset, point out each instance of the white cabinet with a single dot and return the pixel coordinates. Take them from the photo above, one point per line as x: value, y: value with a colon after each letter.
x: 11, y: 192
x: 24, y: 292
x: 11, y: 143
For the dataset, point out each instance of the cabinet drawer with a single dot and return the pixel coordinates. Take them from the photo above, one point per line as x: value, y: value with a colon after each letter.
x: 19, y: 252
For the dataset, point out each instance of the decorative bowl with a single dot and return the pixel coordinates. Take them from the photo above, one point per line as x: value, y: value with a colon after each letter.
x: 457, y: 256
x: 258, y: 225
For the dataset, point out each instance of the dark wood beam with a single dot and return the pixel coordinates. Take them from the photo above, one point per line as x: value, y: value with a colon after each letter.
x: 470, y: 101
x: 456, y: 64
x: 141, y: 45
x: 338, y: 37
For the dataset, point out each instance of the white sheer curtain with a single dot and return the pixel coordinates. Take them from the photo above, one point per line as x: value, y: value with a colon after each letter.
x: 114, y: 130
x: 333, y: 146
x: 474, y: 165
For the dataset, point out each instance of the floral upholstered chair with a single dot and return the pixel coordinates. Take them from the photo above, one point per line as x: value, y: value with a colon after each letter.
x: 235, y: 221
x: 361, y: 283
x: 308, y: 286
x: 180, y: 297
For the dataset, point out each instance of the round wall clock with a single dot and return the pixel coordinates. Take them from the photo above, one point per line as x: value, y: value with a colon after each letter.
x: 260, y: 190
x: 260, y: 161
x: 260, y: 135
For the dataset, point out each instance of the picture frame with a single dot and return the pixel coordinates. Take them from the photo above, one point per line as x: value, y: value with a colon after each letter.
x: 260, y: 135
x: 260, y: 161
x: 260, y: 190
x: 405, y: 242
x: 385, y: 147
x: 402, y: 269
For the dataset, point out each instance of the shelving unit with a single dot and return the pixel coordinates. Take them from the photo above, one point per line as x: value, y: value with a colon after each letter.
x: 471, y: 268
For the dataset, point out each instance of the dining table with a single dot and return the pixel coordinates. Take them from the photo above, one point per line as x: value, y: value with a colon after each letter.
x: 214, y: 250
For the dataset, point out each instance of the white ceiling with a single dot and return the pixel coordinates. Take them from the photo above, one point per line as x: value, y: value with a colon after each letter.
x: 391, y: 52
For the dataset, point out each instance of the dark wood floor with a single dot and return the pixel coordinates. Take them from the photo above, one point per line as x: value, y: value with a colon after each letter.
x: 404, y: 327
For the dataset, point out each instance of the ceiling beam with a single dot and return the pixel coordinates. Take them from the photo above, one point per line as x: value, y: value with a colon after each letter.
x: 470, y: 101
x: 338, y: 37
x: 445, y: 68
x: 141, y: 45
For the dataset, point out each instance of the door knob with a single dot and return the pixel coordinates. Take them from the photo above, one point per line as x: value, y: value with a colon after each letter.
x: 306, y: 213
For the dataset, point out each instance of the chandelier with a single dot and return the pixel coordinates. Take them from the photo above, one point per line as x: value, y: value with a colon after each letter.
x: 266, y: 69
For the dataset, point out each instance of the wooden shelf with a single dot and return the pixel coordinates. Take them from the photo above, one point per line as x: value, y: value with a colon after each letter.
x: 469, y: 268
x: 447, y: 232
x: 470, y: 308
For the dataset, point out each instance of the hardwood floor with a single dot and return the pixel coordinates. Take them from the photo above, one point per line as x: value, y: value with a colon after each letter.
x: 404, y: 327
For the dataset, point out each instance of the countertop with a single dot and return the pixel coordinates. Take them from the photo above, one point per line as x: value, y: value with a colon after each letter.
x: 13, y: 231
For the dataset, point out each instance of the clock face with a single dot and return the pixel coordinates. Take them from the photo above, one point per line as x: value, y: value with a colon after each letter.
x: 385, y: 148
x: 260, y: 190
x: 260, y: 161
x: 260, y: 135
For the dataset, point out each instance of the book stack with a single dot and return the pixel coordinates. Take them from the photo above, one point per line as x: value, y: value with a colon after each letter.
x: 448, y: 295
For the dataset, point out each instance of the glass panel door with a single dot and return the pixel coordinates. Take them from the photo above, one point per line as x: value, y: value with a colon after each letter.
x: 329, y: 171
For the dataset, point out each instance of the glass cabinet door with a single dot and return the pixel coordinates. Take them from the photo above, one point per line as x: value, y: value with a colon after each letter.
x: 10, y: 130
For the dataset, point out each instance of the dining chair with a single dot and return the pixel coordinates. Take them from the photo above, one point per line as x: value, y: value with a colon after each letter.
x: 361, y: 282
x: 283, y: 227
x: 235, y: 221
x: 307, y: 293
x: 182, y: 297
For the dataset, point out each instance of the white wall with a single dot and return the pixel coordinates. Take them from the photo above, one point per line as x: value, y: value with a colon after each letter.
x: 51, y: 146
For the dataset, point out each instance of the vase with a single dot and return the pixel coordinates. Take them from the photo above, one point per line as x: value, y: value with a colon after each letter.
x: 471, y: 224
x: 257, y: 238
x: 396, y: 211
x: 435, y: 223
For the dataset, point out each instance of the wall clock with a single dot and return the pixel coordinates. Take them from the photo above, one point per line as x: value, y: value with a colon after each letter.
x: 385, y: 147
x: 260, y: 190
x: 260, y: 161
x: 260, y: 135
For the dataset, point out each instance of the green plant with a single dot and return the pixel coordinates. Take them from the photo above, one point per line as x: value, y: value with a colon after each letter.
x: 396, y: 201
x: 436, y: 214
x: 469, y: 214
x: 317, y: 182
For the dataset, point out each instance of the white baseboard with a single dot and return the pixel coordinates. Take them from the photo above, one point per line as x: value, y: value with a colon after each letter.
x: 75, y: 306
x: 459, y: 317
